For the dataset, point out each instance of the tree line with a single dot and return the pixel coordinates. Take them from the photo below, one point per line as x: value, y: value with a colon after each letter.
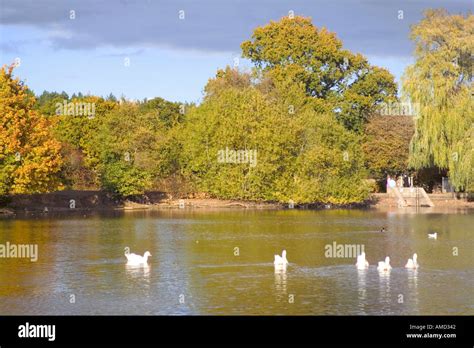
x: 305, y: 111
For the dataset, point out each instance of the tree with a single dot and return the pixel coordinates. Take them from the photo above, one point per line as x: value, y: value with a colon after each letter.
x: 134, y: 150
x: 46, y: 102
x: 169, y: 113
x: 294, y: 48
x: 440, y: 83
x: 298, y: 154
x: 77, y: 121
x: 225, y: 79
x: 386, y: 145
x: 111, y: 97
x: 30, y: 159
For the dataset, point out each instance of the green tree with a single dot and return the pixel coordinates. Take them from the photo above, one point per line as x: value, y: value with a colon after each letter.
x: 300, y: 154
x: 47, y: 101
x: 294, y: 49
x: 168, y: 112
x: 134, y: 150
x: 440, y: 83
x: 77, y: 121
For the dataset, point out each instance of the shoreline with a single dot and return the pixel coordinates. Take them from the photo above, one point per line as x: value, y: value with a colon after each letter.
x: 72, y: 201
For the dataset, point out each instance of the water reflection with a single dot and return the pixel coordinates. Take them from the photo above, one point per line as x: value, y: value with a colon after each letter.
x: 281, y: 279
x: 384, y: 290
x: 84, y: 256
x: 412, y: 279
x: 362, y: 288
x: 412, y: 275
x: 138, y: 273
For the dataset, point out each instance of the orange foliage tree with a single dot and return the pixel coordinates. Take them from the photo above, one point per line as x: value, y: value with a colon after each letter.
x: 30, y: 160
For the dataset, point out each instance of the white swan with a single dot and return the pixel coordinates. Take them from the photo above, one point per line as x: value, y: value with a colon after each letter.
x: 433, y: 235
x: 362, y: 263
x: 281, y: 260
x: 412, y: 263
x: 134, y: 259
x: 384, y: 266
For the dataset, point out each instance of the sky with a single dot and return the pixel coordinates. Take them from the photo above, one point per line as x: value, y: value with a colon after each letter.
x: 152, y: 48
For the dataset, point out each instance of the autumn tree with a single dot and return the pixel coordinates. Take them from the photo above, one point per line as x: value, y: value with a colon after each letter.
x: 30, y: 158
x: 225, y: 79
x: 295, y: 50
x: 440, y: 83
x: 386, y: 145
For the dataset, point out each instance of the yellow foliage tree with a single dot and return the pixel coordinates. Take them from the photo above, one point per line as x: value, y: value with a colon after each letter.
x: 30, y: 160
x: 441, y: 82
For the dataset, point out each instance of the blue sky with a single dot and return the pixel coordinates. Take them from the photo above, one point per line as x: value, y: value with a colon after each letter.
x: 172, y: 57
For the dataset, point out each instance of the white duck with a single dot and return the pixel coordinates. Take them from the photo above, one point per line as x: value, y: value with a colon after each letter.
x: 362, y: 263
x: 134, y: 259
x: 384, y: 266
x: 412, y: 263
x: 281, y: 261
x: 433, y: 235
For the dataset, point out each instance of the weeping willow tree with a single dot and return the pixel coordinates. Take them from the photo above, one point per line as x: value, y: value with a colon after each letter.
x: 440, y: 84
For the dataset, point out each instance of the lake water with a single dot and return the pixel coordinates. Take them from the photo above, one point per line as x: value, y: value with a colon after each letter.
x: 207, y: 262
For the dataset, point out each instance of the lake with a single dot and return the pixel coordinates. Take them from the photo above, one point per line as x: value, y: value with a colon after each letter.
x: 220, y: 262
